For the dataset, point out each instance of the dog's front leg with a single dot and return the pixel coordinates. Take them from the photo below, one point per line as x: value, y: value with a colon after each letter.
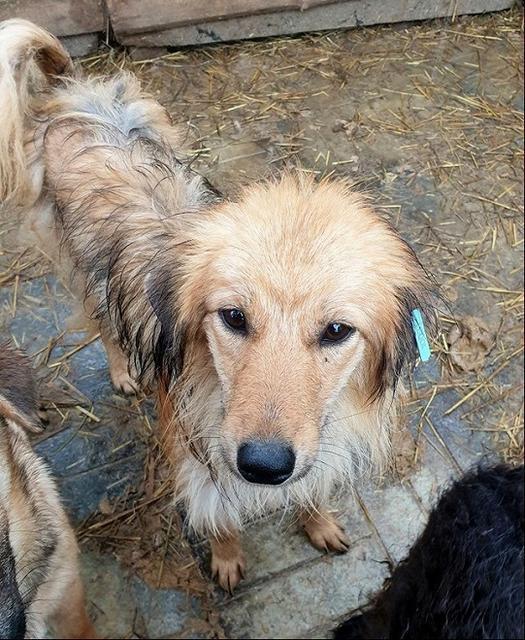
x: 117, y: 360
x: 207, y: 506
x: 227, y: 560
x: 323, y: 530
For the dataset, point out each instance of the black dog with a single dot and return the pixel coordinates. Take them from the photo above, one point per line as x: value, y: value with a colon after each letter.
x: 464, y: 576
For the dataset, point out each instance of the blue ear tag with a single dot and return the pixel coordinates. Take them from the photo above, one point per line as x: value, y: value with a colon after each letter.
x: 418, y: 327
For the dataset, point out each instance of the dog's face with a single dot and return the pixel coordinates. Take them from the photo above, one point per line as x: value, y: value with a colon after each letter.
x: 299, y: 291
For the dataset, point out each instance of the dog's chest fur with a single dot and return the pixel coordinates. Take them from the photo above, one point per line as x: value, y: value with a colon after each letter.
x: 215, y: 498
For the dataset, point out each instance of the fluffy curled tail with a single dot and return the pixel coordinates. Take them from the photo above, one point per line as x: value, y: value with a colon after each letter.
x: 30, y: 58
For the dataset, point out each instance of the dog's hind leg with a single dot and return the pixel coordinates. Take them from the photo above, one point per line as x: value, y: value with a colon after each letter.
x: 324, y: 531
x: 227, y: 560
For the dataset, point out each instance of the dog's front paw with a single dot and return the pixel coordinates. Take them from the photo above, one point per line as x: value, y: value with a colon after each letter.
x: 228, y: 571
x: 326, y: 534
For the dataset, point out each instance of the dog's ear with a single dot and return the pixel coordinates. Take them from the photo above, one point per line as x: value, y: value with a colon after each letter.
x: 168, y: 335
x: 397, y: 346
x: 405, y: 348
x: 18, y: 396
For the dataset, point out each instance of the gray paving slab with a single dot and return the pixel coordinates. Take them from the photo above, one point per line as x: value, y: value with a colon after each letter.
x: 310, y: 596
x: 395, y: 514
x: 125, y: 606
x: 435, y: 474
x: 92, y: 464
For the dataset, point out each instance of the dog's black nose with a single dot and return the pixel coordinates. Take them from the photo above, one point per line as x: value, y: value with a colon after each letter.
x: 265, y: 461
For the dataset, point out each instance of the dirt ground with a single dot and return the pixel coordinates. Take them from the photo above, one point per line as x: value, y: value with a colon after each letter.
x: 428, y: 118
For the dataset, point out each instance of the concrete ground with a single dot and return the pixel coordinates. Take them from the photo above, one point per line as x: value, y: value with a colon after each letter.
x: 428, y: 119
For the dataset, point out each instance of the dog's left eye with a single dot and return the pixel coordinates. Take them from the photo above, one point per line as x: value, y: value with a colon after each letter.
x: 234, y: 319
x: 336, y: 332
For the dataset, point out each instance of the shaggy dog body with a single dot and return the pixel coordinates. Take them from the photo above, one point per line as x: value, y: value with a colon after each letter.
x: 464, y: 577
x: 39, y: 580
x: 118, y: 190
x: 100, y: 187
x: 273, y: 326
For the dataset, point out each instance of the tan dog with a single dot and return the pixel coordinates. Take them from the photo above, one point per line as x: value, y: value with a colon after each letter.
x: 277, y: 324
x: 40, y: 585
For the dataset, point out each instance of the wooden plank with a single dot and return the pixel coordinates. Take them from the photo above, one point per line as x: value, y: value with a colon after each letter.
x: 347, y: 14
x: 61, y: 17
x: 136, y: 16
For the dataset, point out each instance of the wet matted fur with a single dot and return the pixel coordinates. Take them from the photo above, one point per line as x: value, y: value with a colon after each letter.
x: 40, y: 585
x: 464, y: 577
x: 159, y: 257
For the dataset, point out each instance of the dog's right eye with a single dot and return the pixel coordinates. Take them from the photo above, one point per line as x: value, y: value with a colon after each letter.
x: 336, y: 332
x: 234, y: 319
